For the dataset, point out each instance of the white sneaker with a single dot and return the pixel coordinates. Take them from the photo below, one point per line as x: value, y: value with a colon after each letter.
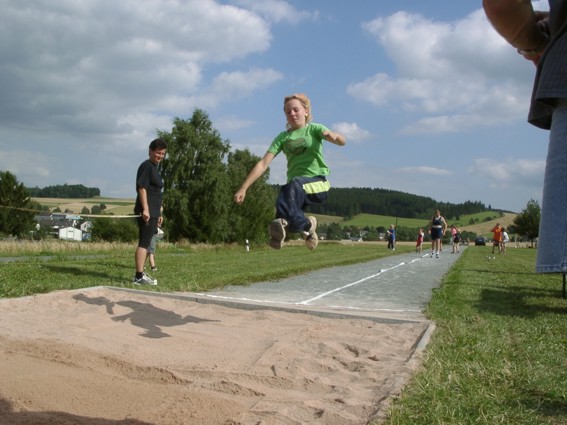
x: 311, y: 238
x: 146, y: 279
x: 277, y: 232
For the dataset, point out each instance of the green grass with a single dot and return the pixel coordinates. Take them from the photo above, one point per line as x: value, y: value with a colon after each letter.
x: 192, y: 268
x: 499, y: 352
x: 373, y: 220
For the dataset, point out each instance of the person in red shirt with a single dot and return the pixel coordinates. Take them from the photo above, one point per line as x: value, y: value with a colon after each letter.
x: 497, y: 238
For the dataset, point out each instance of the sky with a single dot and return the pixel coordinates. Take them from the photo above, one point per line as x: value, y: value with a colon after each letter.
x: 431, y: 100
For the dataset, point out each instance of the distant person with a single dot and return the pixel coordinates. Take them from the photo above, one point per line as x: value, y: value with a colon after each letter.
x: 392, y: 237
x: 302, y: 144
x: 541, y: 37
x: 497, y: 238
x: 419, y: 242
x: 152, y: 249
x: 505, y: 240
x: 437, y: 229
x: 455, y: 239
x: 149, y: 190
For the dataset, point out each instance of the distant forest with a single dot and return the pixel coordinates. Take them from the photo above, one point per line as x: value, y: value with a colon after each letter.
x: 64, y: 191
x: 348, y: 202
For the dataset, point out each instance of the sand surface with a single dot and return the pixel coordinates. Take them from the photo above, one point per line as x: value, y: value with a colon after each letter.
x: 101, y: 356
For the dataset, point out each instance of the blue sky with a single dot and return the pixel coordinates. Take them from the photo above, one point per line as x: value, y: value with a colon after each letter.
x: 432, y: 101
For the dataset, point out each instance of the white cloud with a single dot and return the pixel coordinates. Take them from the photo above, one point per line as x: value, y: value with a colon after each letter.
x: 442, y: 72
x: 276, y: 10
x: 232, y: 123
x: 509, y: 172
x: 125, y: 58
x: 351, y: 131
x: 425, y: 170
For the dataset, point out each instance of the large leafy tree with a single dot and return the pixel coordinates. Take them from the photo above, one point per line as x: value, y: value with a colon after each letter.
x: 527, y: 222
x: 15, y: 200
x: 249, y: 220
x: 196, y: 197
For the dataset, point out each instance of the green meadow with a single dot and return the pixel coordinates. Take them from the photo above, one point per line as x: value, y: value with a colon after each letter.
x: 499, y: 351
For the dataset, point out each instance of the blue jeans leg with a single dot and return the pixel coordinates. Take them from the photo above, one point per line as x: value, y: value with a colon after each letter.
x: 552, y: 240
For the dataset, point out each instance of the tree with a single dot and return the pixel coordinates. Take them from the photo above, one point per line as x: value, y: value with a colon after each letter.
x: 527, y: 222
x: 13, y: 221
x: 107, y: 229
x: 335, y: 232
x: 196, y: 188
x: 251, y: 219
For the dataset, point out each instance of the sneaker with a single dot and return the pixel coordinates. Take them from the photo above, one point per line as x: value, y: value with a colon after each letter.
x: 311, y: 238
x: 154, y: 269
x: 277, y: 232
x: 146, y: 279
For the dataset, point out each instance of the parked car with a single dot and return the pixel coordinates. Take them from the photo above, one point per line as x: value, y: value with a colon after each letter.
x: 480, y: 240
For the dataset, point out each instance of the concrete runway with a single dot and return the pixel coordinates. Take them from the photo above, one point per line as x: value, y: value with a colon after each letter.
x: 393, y: 289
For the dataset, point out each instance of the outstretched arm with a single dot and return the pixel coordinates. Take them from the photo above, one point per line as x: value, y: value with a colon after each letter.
x: 254, y: 174
x: 334, y: 137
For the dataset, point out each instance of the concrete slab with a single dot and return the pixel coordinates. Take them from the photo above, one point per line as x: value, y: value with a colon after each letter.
x: 391, y: 289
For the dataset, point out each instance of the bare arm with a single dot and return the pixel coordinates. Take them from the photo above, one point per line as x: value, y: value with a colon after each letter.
x: 334, y: 137
x: 143, y: 195
x: 254, y: 174
x: 517, y: 22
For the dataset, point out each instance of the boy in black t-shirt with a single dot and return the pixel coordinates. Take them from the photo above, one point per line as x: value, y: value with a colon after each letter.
x: 149, y: 187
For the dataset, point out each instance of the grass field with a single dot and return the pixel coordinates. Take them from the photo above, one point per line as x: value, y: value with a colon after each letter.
x: 48, y: 266
x: 498, y: 355
x: 116, y: 206
x: 499, y: 352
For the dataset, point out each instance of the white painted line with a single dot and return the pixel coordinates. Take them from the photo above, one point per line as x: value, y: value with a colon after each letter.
x: 220, y: 297
x: 324, y: 294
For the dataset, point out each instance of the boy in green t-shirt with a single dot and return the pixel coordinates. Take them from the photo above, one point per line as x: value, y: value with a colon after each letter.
x: 302, y: 144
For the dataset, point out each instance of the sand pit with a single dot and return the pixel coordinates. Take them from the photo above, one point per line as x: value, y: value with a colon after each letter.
x: 102, y: 356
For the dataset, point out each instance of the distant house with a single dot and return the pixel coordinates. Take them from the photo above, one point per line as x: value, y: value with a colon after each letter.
x: 70, y: 234
x: 64, y: 226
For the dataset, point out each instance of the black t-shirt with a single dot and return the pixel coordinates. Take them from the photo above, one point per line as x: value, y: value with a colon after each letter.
x: 149, y: 178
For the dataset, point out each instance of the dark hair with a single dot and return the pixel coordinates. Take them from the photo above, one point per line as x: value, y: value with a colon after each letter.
x: 158, y: 144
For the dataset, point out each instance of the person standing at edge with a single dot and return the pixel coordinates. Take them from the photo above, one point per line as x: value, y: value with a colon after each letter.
x: 149, y: 187
x: 392, y: 237
x: 419, y: 242
x: 541, y: 37
x: 437, y: 229
x: 302, y: 144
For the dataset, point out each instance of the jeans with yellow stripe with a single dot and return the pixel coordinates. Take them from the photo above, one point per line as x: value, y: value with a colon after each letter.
x: 295, y: 196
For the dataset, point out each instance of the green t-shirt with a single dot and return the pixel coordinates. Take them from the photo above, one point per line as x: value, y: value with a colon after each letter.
x: 303, y: 149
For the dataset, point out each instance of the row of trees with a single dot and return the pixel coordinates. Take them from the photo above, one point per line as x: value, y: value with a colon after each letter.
x: 64, y: 191
x: 348, y: 202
